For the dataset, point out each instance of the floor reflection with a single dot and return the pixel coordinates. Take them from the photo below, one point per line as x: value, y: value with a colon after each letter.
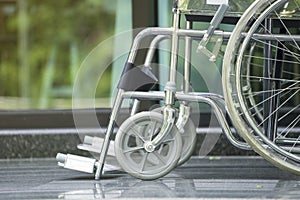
x: 176, y: 188
x: 226, y: 178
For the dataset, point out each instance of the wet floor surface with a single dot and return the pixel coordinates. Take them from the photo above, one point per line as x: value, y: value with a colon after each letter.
x: 206, y: 178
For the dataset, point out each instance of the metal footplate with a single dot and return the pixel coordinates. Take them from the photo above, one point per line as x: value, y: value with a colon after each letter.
x: 75, y: 162
x: 94, y: 144
x: 85, y: 164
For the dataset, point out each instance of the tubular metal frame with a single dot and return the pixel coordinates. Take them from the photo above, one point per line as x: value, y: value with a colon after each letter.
x: 170, y: 95
x: 208, y: 98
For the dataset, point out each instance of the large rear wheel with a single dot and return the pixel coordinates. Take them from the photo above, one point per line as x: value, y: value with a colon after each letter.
x: 263, y: 96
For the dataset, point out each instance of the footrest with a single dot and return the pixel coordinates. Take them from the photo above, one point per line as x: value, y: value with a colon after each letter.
x: 94, y: 144
x: 83, y: 164
x: 75, y: 162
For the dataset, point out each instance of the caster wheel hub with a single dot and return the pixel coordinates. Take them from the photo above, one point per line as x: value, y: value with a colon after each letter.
x: 149, y: 147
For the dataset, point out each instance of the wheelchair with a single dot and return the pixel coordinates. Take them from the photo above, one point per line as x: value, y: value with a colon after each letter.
x: 260, y: 79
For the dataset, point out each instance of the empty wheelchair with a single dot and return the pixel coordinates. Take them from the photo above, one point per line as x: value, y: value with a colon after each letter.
x: 260, y: 78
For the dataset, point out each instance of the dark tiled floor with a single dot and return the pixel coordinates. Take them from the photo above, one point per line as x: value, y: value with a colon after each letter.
x: 221, y: 178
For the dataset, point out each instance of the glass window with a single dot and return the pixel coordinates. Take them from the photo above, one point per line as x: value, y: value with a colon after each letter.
x: 43, y: 44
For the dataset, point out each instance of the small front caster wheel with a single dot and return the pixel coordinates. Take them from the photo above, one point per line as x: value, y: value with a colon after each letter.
x: 188, y: 137
x: 130, y: 147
